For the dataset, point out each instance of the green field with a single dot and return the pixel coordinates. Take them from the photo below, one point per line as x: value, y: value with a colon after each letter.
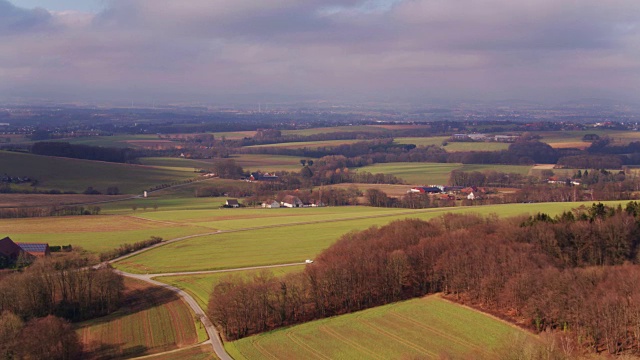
x: 335, y: 129
x: 426, y: 328
x: 178, y: 164
x: 308, y: 144
x: 453, y: 146
x: 558, y: 137
x: 436, y: 173
x: 76, y: 175
x: 290, y: 242
x: 92, y: 233
x: 201, y: 286
x: 152, y: 320
x: 270, y: 163
x: 120, y: 141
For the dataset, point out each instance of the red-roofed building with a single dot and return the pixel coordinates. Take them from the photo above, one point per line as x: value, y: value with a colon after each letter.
x: 36, y: 249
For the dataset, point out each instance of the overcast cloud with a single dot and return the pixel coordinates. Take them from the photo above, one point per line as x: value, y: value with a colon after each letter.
x: 334, y: 49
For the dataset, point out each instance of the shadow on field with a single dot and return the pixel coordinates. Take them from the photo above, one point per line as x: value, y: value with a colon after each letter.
x: 137, y: 297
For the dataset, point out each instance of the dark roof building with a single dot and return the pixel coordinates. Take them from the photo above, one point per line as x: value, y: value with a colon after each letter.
x: 35, y: 249
x: 233, y: 203
x: 9, y: 249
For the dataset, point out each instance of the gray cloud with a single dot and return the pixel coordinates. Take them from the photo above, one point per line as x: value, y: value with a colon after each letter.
x: 15, y: 20
x: 442, y: 48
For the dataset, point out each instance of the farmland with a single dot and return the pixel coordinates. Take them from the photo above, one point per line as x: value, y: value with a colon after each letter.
x: 453, y: 146
x: 200, y: 286
x: 153, y: 320
x: 436, y: 173
x: 307, y: 144
x: 271, y: 163
x: 429, y: 327
x: 92, y: 233
x: 283, y: 239
x: 200, y: 352
x: 76, y: 175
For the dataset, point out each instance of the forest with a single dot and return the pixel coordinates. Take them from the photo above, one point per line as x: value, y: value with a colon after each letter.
x: 574, y: 274
x: 38, y: 303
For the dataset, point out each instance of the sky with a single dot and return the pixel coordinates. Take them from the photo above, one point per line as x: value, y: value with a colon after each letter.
x: 335, y: 50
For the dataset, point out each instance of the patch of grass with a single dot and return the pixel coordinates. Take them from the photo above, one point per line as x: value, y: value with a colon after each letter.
x: 335, y: 129
x: 453, y: 146
x: 429, y: 327
x: 575, y: 137
x: 119, y: 141
x: 270, y: 163
x: 179, y: 164
x: 436, y: 173
x: 308, y: 144
x: 201, y: 286
x: 76, y: 175
x: 92, y: 233
x: 416, y: 173
x: 295, y: 243
x: 152, y: 320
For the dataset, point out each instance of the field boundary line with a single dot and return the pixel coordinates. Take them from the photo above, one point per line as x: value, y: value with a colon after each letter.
x: 399, y: 339
x: 301, y: 343
x: 172, y: 351
x: 204, y: 272
x: 261, y: 349
x: 438, y: 332
x: 334, y: 334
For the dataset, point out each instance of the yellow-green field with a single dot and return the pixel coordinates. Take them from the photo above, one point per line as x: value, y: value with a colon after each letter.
x: 92, y: 233
x: 200, y: 286
x: 453, y: 146
x: 562, y: 138
x: 178, y: 164
x: 286, y: 239
x: 426, y: 328
x: 76, y: 175
x: 270, y: 163
x: 316, y: 131
x: 307, y: 144
x: 436, y: 173
x: 152, y: 320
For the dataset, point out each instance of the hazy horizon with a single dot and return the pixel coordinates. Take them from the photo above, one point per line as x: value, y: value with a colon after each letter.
x: 161, y: 51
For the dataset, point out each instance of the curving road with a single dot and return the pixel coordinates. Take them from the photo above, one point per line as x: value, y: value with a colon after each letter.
x: 214, y: 336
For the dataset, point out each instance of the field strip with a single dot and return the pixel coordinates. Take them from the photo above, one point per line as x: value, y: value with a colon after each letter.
x: 157, y: 221
x: 204, y: 272
x: 438, y: 332
x: 347, y: 341
x: 416, y: 347
x: 173, y: 351
x: 301, y: 343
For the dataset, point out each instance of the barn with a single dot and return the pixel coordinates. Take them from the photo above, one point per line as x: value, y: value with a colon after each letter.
x: 36, y: 249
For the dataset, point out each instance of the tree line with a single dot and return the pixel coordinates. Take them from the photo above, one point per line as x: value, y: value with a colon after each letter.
x: 574, y: 274
x: 42, y: 211
x: 66, y: 287
x: 87, y: 152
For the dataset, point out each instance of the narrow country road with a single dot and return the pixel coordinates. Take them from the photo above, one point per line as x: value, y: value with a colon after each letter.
x: 216, y: 341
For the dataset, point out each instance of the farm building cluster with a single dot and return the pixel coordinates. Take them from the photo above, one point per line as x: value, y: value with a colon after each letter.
x: 11, y: 252
x: 450, y: 192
